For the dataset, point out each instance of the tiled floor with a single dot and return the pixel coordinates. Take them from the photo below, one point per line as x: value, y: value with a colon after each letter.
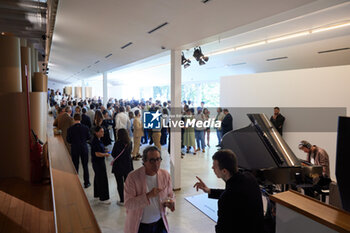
x: 186, y: 218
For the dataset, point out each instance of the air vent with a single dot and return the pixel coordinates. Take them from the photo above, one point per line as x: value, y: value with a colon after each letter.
x: 108, y: 55
x: 126, y: 45
x: 276, y: 58
x: 333, y: 50
x: 238, y: 64
x: 97, y: 62
x: 155, y: 29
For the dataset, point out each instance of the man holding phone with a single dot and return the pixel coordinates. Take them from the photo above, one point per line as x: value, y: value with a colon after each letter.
x: 148, y: 191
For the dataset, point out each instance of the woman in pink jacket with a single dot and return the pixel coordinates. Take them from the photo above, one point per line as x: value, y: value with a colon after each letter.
x: 148, y: 191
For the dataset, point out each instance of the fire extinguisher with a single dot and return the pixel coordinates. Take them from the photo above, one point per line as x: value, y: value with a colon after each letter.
x: 36, y: 150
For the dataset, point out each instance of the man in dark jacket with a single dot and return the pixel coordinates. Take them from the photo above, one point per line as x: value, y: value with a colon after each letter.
x: 226, y: 124
x: 277, y: 120
x: 85, y: 119
x: 240, y: 207
x: 78, y: 135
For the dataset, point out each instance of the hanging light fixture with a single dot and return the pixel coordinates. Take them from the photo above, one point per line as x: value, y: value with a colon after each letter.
x: 185, y: 62
x: 199, y: 56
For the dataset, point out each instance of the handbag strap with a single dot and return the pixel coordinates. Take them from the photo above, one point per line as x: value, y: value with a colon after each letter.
x: 118, y: 155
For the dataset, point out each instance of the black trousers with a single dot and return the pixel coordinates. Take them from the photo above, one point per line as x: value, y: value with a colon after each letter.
x: 120, y: 185
x: 81, y: 151
x: 144, y: 139
x: 100, y: 180
x: 157, y: 227
x: 163, y: 137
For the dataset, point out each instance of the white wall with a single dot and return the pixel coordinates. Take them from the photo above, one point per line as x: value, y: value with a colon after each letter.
x: 123, y: 92
x: 317, y: 87
x: 56, y: 85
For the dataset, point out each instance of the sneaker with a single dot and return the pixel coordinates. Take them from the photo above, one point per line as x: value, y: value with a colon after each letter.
x: 203, y: 150
x: 106, y: 202
x: 120, y: 203
x: 87, y: 185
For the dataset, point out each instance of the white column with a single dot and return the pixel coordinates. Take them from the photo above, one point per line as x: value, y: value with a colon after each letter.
x: 105, y: 89
x: 175, y: 141
x: 82, y: 90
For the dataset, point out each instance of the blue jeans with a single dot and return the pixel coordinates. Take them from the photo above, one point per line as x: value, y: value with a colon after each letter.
x: 199, y: 134
x: 219, y: 134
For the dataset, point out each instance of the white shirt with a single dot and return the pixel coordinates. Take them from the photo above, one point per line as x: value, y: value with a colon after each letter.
x: 122, y: 121
x: 151, y: 213
x: 91, y: 114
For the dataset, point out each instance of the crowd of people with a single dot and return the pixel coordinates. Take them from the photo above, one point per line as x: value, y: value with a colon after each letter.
x: 147, y: 191
x: 117, y: 114
x: 119, y: 123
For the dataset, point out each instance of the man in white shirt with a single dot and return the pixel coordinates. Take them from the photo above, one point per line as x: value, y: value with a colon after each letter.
x: 91, y: 113
x: 122, y: 120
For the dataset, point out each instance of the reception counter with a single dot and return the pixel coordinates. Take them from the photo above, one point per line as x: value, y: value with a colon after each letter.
x: 298, y: 213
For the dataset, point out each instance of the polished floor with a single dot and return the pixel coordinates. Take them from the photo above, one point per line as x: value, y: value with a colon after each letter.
x: 185, y: 218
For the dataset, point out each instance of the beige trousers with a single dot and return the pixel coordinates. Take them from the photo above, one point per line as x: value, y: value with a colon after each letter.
x: 137, y: 142
x: 156, y: 139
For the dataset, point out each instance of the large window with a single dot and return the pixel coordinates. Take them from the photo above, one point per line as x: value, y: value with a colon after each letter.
x: 209, y: 92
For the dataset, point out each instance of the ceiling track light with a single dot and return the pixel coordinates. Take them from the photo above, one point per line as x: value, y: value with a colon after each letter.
x: 185, y: 62
x: 199, y: 56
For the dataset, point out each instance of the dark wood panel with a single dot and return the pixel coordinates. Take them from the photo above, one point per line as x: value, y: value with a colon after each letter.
x: 4, y: 208
x: 330, y: 216
x: 17, y: 216
x: 38, y: 195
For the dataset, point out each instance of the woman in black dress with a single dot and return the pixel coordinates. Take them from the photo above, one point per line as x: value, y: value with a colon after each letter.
x: 98, y: 155
x: 122, y: 163
x: 106, y: 124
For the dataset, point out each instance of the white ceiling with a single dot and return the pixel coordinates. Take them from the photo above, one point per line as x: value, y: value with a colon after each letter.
x: 86, y: 31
